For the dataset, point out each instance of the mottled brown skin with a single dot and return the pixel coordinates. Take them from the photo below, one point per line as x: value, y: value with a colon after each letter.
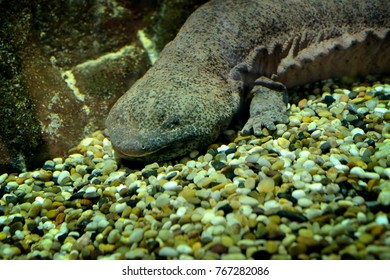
x: 226, y: 48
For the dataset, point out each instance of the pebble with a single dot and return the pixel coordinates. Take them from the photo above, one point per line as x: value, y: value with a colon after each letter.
x: 266, y: 185
x: 172, y: 186
x: 305, y: 202
x: 136, y: 236
x: 168, y: 252
x: 246, y: 200
x: 316, y: 188
x: 64, y: 178
x: 361, y: 173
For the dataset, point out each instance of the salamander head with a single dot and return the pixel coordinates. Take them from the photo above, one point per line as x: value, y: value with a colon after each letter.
x: 160, y: 121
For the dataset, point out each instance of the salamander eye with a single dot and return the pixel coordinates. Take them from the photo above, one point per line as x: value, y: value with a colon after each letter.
x: 171, y: 123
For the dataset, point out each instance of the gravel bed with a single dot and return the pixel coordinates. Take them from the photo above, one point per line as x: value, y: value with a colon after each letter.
x: 316, y: 188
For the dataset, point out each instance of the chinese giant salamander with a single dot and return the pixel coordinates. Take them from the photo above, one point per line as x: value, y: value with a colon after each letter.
x: 228, y: 47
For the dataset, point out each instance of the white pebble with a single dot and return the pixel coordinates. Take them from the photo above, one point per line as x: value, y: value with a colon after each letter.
x: 162, y: 200
x: 356, y: 131
x: 168, y: 252
x: 308, y: 164
x: 363, y: 174
x: 171, y: 186
x: 3, y: 177
x: 384, y: 197
x: 246, y: 210
x: 247, y: 200
x: 184, y: 249
x: 305, y: 202
x: 39, y: 199
x: 312, y: 213
x: 312, y: 126
x: 136, y: 236
x: 334, y: 160
x: 297, y: 194
x: 218, y: 220
x: 90, y: 189
x: 119, y: 207
x: 341, y: 167
x: 380, y: 112
x: 222, y: 148
x: 181, y: 211
x: 314, y: 187
x: 361, y: 217
x: 208, y: 216
x: 386, y: 172
x: 271, y: 206
x: 382, y: 219
x: 63, y: 178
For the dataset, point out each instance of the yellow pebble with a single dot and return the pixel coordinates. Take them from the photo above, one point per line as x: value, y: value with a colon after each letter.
x: 106, y: 248
x: 3, y: 236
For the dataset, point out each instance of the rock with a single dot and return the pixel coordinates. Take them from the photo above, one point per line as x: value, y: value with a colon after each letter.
x: 266, y: 185
x: 64, y: 65
x: 168, y: 252
x: 136, y: 235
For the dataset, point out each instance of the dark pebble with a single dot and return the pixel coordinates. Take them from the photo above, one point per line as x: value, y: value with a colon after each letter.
x: 353, y: 108
x: 345, y: 186
x: 50, y: 167
x: 375, y: 206
x: 11, y: 199
x: 18, y: 219
x: 344, y: 122
x: 171, y: 175
x: 384, y: 96
x: 92, y: 195
x: 61, y: 238
x: 231, y: 150
x: 96, y: 181
x: 325, y: 147
x: 292, y: 216
x: 148, y: 173
x: 358, y: 123
x: 77, y: 195
x: 96, y: 173
x: 14, y: 227
x: 219, y: 248
x: 152, y: 245
x: 301, y: 135
x: 325, y: 181
x: 328, y: 100
x: 128, y: 192
x: 37, y: 230
x: 128, y: 171
x: 105, y: 208
x: 3, y: 191
x: 2, y: 210
x: 132, y: 202
x: 348, y: 256
x: 218, y: 165
x: 358, y: 138
x: 343, y: 161
x: 261, y: 255
x: 226, y: 208
x: 288, y: 196
x: 344, y: 240
x: 258, y: 211
x: 212, y: 152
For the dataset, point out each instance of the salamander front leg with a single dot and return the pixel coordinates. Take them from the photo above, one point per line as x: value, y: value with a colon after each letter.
x: 267, y: 108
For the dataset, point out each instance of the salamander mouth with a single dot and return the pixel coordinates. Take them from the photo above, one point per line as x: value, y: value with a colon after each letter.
x: 166, y: 152
x: 138, y: 154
